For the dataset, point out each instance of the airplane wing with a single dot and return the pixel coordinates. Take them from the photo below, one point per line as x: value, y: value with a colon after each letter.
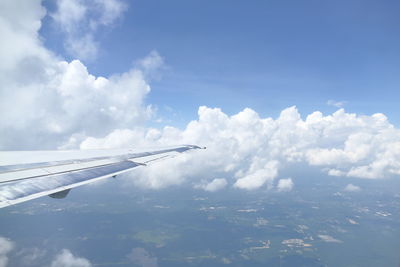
x: 26, y: 175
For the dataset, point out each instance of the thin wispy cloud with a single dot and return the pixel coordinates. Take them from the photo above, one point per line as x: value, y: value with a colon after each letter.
x: 6, y: 246
x: 140, y: 257
x: 329, y: 239
x: 80, y: 21
x: 337, y: 104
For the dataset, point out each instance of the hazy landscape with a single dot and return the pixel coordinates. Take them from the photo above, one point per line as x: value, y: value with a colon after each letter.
x: 318, y: 224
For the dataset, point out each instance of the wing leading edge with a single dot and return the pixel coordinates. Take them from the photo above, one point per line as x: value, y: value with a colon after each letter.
x: 28, y: 175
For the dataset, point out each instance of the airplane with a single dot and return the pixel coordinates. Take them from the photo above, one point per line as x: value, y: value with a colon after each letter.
x: 26, y: 175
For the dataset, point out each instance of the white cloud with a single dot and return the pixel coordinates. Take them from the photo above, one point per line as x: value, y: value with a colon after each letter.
x: 71, y: 101
x: 285, y: 185
x: 31, y: 256
x: 329, y: 239
x: 251, y: 150
x: 58, y: 100
x: 213, y: 186
x: 66, y: 259
x: 110, y: 10
x: 335, y: 172
x: 69, y: 14
x: 337, y: 104
x: 352, y: 188
x: 255, y: 178
x: 5, y: 247
x: 85, y: 47
x: 80, y: 19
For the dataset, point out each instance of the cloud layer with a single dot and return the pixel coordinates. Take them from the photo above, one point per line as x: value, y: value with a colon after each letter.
x: 253, y: 150
x: 47, y: 103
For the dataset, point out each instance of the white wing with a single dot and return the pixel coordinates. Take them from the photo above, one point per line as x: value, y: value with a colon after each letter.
x: 26, y: 175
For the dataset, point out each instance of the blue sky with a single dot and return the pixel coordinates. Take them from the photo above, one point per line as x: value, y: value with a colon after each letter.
x: 266, y: 55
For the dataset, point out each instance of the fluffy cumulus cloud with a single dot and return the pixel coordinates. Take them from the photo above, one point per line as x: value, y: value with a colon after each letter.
x: 5, y: 247
x: 252, y: 150
x: 352, y: 188
x: 35, y: 256
x: 66, y: 259
x: 213, y: 186
x: 285, y: 185
x: 80, y: 19
x: 59, y: 102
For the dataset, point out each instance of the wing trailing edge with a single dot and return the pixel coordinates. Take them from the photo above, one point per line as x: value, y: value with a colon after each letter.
x: 33, y: 175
